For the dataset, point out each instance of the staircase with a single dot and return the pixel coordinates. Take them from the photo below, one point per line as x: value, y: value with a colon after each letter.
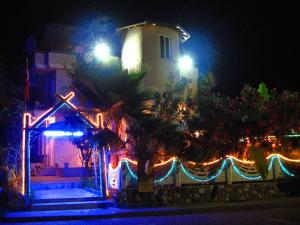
x: 53, y: 193
x: 70, y: 203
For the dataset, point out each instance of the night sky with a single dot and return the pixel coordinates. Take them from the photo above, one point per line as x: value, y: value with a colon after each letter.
x: 241, y: 42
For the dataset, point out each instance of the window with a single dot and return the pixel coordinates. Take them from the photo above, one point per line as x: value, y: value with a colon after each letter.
x: 164, y: 47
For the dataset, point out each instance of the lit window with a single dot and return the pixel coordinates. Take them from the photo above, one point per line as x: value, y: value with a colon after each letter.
x: 164, y: 47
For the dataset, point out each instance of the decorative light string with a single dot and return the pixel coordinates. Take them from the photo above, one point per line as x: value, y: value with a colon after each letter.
x: 285, y: 158
x: 133, y: 174
x: 283, y: 168
x: 220, y: 170
x: 271, y: 163
x: 28, y: 122
x: 168, y: 173
x: 240, y: 173
x: 193, y: 177
x: 129, y: 169
x: 239, y: 160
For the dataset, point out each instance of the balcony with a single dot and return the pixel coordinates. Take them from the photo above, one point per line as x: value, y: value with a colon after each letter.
x: 54, y: 60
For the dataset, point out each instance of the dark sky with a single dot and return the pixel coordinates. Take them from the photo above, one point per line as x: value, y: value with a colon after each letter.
x: 241, y: 41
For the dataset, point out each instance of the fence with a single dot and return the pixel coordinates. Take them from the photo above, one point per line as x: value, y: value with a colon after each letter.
x: 175, y: 172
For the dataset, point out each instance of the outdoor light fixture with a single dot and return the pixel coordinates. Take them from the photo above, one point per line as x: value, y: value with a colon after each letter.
x: 102, y: 51
x: 185, y: 63
x: 59, y: 133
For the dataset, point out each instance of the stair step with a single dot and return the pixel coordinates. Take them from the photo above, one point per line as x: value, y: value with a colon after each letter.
x: 51, y: 200
x: 55, y: 185
x: 70, y: 205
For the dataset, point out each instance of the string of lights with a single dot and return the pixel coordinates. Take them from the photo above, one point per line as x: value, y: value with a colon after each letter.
x: 191, y: 176
x: 240, y: 173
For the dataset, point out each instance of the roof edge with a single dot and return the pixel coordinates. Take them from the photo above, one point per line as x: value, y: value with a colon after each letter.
x: 183, y: 33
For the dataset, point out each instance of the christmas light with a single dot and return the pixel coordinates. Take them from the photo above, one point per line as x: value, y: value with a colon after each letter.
x: 191, y: 176
x: 168, y: 173
x: 129, y: 169
x: 157, y: 180
x: 211, y: 162
x: 285, y: 158
x: 271, y: 163
x: 239, y: 160
x: 28, y: 122
x: 283, y: 168
x: 165, y: 162
x: 68, y: 97
x: 240, y: 173
x: 205, y: 163
x: 99, y: 120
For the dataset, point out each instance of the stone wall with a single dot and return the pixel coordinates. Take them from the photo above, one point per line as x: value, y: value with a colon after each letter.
x: 200, y: 194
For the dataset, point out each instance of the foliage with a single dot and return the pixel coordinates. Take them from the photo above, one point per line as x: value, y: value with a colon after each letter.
x: 10, y: 150
x: 10, y: 116
x: 111, y: 88
x: 260, y: 161
x: 164, y: 127
x: 214, y: 120
x: 116, y: 91
x: 263, y: 90
x: 225, y: 122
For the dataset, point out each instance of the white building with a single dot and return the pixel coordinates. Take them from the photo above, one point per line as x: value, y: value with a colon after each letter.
x: 153, y: 44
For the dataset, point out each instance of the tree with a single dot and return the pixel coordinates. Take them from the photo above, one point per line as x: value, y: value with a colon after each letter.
x: 10, y: 116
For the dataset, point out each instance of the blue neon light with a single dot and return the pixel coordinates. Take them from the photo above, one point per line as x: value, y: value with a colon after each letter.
x: 284, y: 169
x: 167, y: 174
x: 191, y: 176
x: 84, y: 119
x: 39, y: 123
x: 129, y: 169
x: 271, y: 163
x: 240, y: 173
x: 100, y: 172
x: 60, y: 133
x: 155, y: 181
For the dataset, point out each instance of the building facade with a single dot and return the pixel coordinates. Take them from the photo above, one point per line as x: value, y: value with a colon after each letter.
x: 157, y: 46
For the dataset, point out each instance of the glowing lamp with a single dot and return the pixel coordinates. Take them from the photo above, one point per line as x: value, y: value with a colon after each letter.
x: 102, y: 51
x: 59, y: 133
x: 185, y: 63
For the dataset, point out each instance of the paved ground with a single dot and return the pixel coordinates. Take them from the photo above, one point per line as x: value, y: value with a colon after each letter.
x: 279, y: 216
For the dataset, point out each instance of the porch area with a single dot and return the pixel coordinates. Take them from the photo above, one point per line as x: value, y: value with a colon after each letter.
x: 64, y: 193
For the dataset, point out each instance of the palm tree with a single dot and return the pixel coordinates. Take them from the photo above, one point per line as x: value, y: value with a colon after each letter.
x: 117, y: 92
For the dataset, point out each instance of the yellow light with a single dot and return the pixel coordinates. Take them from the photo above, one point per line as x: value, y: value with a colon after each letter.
x: 284, y: 158
x: 211, y: 162
x: 239, y: 160
x: 165, y: 162
x: 68, y: 97
x: 23, y: 154
x: 155, y: 165
x: 99, y: 120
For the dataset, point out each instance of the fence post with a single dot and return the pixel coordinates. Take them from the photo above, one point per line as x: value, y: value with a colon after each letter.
x: 228, y: 173
x: 123, y: 176
x: 177, y: 175
x: 275, y: 169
